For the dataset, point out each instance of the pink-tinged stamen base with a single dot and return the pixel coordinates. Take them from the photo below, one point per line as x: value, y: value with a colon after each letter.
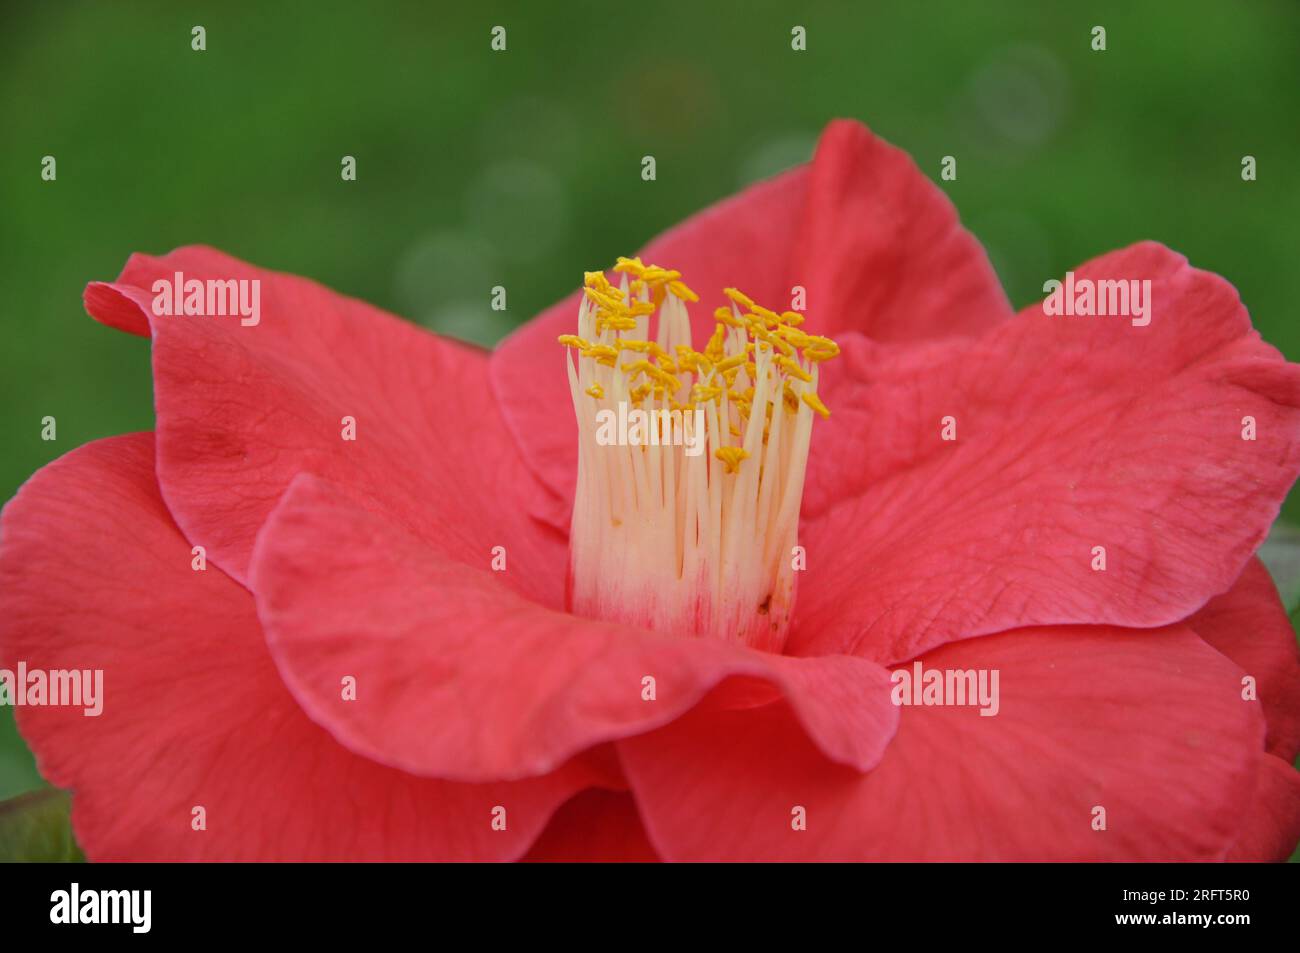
x: 675, y: 530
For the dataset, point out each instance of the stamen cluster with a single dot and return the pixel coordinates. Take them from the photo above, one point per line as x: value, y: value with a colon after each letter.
x: 682, y: 541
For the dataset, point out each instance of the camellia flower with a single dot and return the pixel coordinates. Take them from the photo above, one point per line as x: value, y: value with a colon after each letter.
x: 367, y: 593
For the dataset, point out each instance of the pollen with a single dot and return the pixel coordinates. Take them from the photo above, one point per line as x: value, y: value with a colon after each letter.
x: 731, y: 457
x: 691, y: 463
x: 812, y: 400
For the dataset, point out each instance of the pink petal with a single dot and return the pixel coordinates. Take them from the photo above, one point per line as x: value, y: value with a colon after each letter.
x: 242, y: 409
x: 1273, y: 821
x: 95, y: 575
x: 1072, y: 433
x: 596, y: 826
x: 458, y: 677
x: 881, y: 250
x: 1249, y: 625
x: 876, y: 246
x: 1148, y: 725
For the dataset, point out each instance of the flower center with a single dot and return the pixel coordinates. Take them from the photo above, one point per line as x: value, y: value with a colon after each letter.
x: 690, y: 463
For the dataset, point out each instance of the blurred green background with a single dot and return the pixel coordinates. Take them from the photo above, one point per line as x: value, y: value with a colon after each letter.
x: 522, y: 168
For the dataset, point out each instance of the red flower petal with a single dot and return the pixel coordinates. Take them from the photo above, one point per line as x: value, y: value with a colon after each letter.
x: 1273, y: 821
x: 1249, y: 625
x: 875, y: 244
x: 1071, y: 433
x: 242, y: 409
x: 458, y: 677
x: 882, y: 251
x: 95, y: 575
x: 598, y: 826
x: 1148, y: 725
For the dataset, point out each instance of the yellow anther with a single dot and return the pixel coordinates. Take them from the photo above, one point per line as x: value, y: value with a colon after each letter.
x: 656, y: 275
x: 715, y: 351
x: 727, y: 363
x: 790, y: 397
x: 731, y: 457
x: 572, y: 340
x: 793, y: 368
x: 602, y: 354
x: 738, y: 296
x: 820, y: 348
x: 616, y: 322
x: 692, y: 360
x: 728, y: 317
x: 683, y: 292
x: 792, y: 318
x: 655, y: 278
x: 794, y: 336
x: 602, y: 298
x: 596, y: 391
x: 812, y: 400
x: 669, y: 382
x: 704, y: 392
x: 664, y: 378
x: 657, y: 374
x: 781, y: 346
x: 605, y: 297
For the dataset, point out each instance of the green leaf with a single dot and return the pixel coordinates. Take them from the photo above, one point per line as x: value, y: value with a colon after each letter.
x: 36, y: 827
x: 1281, y: 554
